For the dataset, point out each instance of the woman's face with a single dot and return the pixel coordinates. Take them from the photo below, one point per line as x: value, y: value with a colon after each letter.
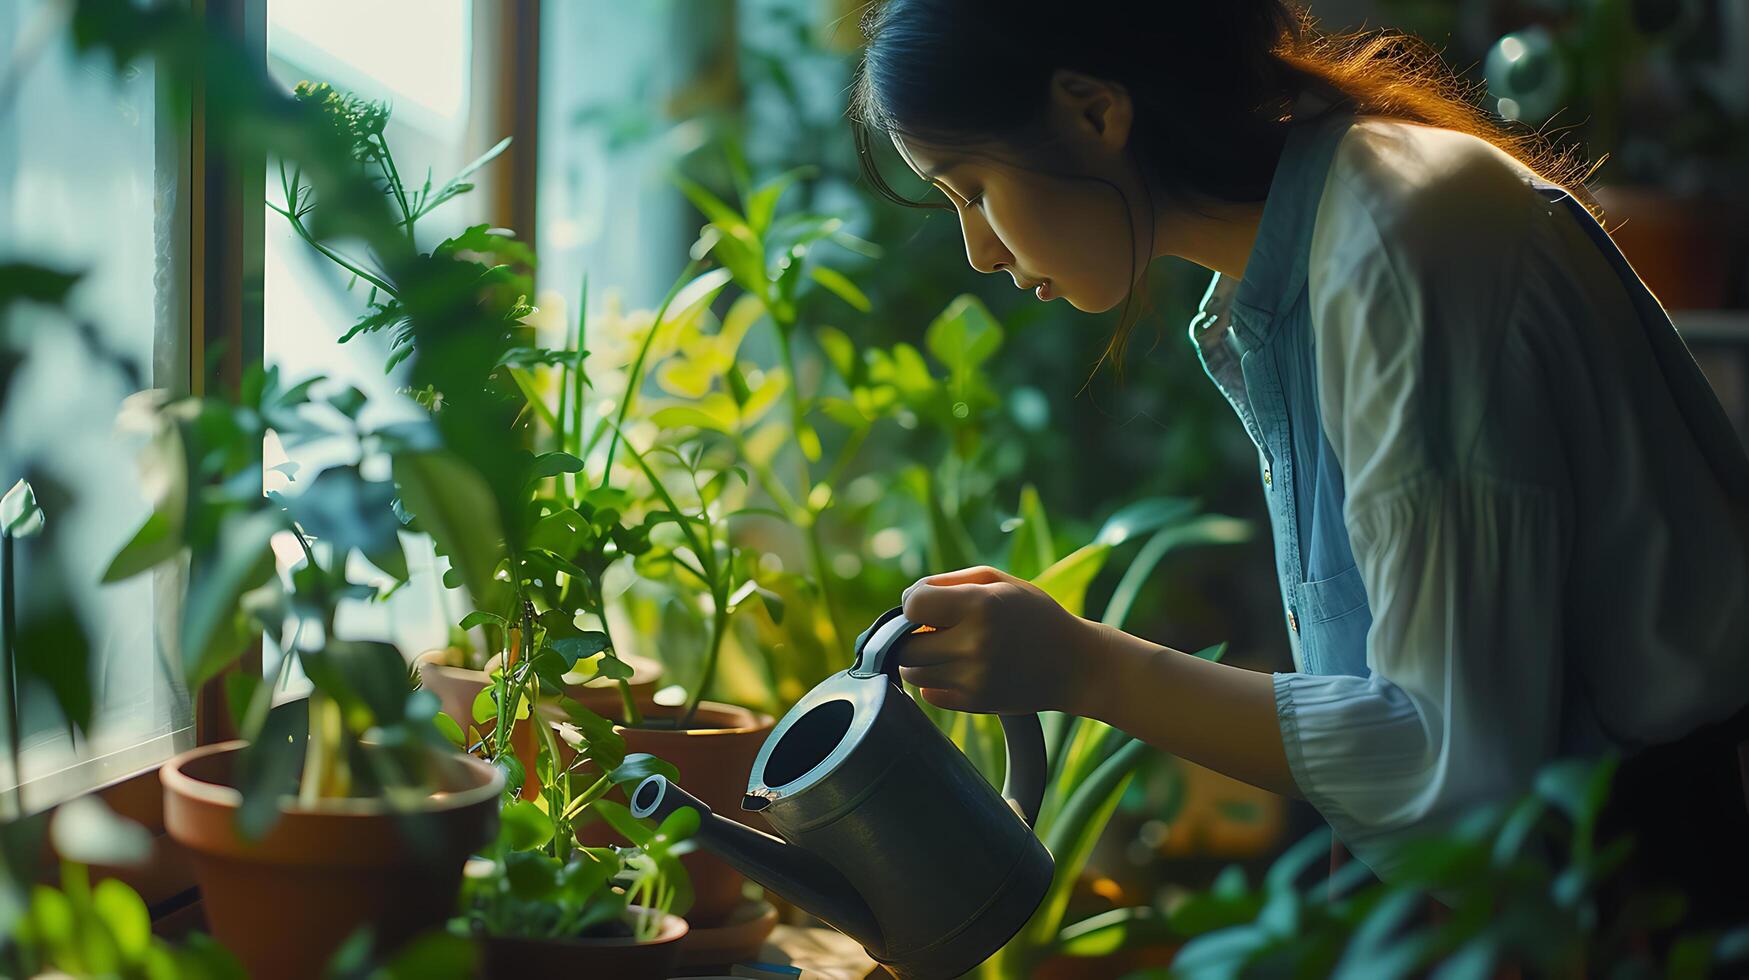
x: 1076, y: 235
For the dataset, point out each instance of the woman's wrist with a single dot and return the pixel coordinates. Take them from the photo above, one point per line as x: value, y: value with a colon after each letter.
x: 1102, y: 670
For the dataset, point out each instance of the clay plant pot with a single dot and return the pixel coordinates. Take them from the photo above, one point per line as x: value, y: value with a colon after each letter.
x: 457, y: 687
x: 284, y: 903
x: 714, y: 759
x: 1682, y: 247
x: 511, y: 958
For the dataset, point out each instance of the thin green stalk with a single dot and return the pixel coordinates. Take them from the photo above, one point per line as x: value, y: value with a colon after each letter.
x: 719, y: 626
x: 816, y: 548
x: 9, y: 623
x: 635, y: 376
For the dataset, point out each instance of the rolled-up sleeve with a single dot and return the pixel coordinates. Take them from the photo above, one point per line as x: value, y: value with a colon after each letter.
x: 1463, y: 574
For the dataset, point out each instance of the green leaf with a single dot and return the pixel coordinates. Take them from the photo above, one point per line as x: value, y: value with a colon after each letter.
x: 552, y: 464
x: 481, y: 617
x: 1068, y: 578
x: 450, y: 730
x: 640, y: 765
x: 762, y: 203
x: 485, y: 707
x: 1031, y: 551
x: 1143, y: 517
x: 451, y: 503
x: 363, y: 676
x: 525, y: 826
x: 676, y: 416
x: 678, y: 826
x: 964, y: 335
x: 613, y: 668
x: 575, y: 648
x: 20, y: 515
x: 621, y: 819
x: 211, y: 636
x: 349, y: 402
x: 151, y: 545
x: 124, y: 914
x: 841, y: 285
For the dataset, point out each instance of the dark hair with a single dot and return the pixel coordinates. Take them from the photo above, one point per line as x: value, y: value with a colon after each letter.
x: 1212, y: 83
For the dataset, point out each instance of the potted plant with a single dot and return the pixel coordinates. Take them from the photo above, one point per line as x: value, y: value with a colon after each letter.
x: 347, y: 808
x: 538, y: 905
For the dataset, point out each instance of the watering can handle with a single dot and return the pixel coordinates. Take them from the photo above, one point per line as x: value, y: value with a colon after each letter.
x: 877, y: 652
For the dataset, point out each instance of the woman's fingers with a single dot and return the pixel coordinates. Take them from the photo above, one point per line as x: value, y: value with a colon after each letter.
x: 977, y: 574
x: 942, y: 606
x: 951, y: 675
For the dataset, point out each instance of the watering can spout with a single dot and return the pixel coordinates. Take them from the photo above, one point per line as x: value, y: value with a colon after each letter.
x: 793, y: 873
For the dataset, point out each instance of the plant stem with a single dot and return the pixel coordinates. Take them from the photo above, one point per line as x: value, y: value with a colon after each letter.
x: 816, y: 548
x: 719, y: 626
x: 636, y: 374
x: 9, y: 623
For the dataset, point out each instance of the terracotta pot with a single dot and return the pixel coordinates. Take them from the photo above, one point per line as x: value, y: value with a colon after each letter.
x: 457, y: 687
x: 509, y: 958
x: 714, y: 759
x: 284, y: 903
x: 1681, y: 247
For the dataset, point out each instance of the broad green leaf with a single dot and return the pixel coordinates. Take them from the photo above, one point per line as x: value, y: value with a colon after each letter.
x: 678, y: 826
x: 485, y: 707
x: 639, y: 765
x: 1031, y: 550
x: 211, y: 636
x: 676, y: 416
x: 525, y: 826
x: 964, y: 335
x: 553, y: 464
x: 151, y: 545
x: 124, y: 914
x: 621, y: 819
x: 840, y: 350
x: 1068, y: 578
x: 575, y: 648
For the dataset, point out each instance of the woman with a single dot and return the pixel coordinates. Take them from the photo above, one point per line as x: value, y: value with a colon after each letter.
x: 1509, y: 514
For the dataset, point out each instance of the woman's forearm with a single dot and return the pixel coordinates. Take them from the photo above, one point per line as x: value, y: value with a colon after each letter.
x: 1212, y: 714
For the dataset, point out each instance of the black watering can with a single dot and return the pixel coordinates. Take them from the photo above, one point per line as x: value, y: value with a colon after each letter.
x: 889, y: 833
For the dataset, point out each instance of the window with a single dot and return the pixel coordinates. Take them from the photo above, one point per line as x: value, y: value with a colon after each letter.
x: 419, y: 56
x: 108, y: 197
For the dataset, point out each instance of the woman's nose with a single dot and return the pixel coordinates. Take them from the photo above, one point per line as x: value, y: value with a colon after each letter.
x: 984, y: 250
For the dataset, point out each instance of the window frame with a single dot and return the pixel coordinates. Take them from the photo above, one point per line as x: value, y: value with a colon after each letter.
x: 226, y: 258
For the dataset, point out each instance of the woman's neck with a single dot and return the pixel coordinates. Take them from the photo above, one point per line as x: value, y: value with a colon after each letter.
x: 1220, y: 238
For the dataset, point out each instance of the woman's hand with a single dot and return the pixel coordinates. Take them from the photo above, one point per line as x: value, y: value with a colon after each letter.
x: 1000, y: 644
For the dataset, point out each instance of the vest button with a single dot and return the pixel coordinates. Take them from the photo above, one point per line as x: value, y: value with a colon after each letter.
x: 1293, y: 621
x: 1266, y: 477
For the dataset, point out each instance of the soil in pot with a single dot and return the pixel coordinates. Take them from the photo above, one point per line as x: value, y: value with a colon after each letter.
x: 284, y: 903
x: 623, y: 958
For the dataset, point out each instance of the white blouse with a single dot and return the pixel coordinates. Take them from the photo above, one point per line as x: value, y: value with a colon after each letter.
x: 1550, y: 553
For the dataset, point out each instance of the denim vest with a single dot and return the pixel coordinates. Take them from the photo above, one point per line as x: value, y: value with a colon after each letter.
x: 1255, y: 340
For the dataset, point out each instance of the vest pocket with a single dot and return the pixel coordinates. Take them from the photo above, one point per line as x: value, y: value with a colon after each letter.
x: 1334, y: 619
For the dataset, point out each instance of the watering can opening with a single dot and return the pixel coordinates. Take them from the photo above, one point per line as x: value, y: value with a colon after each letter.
x: 809, y: 742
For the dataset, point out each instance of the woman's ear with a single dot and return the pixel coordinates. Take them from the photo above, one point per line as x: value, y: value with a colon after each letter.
x: 1091, y: 108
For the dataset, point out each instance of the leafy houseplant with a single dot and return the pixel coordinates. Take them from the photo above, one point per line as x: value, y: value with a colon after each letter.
x: 1520, y: 880
x: 534, y: 912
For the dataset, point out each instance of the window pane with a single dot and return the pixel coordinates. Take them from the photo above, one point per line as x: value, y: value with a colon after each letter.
x: 307, y: 301
x: 92, y: 179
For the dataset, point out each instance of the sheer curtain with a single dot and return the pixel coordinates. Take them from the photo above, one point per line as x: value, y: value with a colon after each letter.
x: 93, y: 179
